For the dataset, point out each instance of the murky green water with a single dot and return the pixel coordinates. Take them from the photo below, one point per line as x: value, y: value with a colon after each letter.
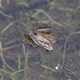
x: 22, y: 61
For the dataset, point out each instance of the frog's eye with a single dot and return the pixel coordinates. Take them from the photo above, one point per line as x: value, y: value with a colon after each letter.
x: 35, y: 33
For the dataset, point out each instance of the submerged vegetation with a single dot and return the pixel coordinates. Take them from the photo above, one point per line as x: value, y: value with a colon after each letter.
x: 21, y: 61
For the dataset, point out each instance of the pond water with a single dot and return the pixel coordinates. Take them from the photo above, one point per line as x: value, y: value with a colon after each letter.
x: 25, y: 61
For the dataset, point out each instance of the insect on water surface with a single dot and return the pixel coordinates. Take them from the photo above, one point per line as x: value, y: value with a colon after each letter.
x: 42, y: 38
